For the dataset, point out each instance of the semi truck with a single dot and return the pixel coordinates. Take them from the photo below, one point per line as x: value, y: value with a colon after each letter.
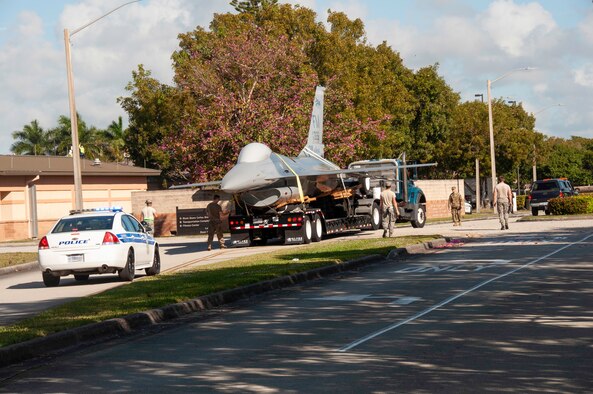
x: 353, y: 207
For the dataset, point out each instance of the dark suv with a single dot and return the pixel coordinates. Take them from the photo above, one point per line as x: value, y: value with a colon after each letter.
x: 544, y: 190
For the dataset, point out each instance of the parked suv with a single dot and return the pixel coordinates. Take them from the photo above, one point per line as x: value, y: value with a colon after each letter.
x: 542, y: 191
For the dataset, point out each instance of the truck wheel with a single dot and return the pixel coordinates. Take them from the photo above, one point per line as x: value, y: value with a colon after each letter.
x: 49, y: 280
x: 547, y: 211
x: 534, y: 211
x: 375, y: 217
x: 307, y: 230
x: 420, y: 219
x: 317, y: 229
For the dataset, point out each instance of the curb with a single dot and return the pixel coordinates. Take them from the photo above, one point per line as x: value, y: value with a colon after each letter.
x: 60, y: 342
x: 18, y: 268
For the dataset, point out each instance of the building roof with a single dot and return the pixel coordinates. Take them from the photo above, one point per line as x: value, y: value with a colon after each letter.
x: 62, y: 165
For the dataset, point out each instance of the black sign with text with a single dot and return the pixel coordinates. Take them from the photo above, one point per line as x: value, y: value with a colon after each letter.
x: 192, y: 221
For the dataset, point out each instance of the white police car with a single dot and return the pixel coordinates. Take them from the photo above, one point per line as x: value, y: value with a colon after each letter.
x: 97, y: 241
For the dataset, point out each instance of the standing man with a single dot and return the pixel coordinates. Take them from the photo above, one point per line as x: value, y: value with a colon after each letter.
x: 148, y: 215
x: 503, y: 199
x: 215, y: 214
x: 389, y: 209
x: 454, y: 206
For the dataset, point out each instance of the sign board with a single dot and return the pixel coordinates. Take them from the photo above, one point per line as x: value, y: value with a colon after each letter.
x: 192, y: 221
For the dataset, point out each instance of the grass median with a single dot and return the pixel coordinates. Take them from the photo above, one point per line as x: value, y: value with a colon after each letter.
x: 158, y: 291
x: 16, y: 258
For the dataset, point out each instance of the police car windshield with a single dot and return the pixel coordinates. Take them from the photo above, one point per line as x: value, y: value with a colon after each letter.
x: 69, y: 225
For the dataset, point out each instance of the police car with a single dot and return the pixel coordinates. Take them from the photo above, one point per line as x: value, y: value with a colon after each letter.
x: 97, y: 241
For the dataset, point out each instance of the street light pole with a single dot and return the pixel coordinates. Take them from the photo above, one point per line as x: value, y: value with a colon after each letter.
x: 491, y: 126
x: 74, y: 127
x: 78, y: 202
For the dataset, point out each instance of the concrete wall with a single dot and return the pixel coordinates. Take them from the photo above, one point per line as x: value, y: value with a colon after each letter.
x: 437, y: 195
x: 165, y: 202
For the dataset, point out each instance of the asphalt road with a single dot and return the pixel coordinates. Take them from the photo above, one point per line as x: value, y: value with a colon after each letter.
x: 511, y: 311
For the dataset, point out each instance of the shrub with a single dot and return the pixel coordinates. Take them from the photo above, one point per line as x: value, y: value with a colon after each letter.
x: 571, y: 205
x: 521, y: 202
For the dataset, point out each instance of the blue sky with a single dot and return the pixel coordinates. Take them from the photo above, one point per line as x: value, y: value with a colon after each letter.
x: 472, y: 40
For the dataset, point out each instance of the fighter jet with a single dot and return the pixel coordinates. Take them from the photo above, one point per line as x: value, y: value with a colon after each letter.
x: 264, y: 180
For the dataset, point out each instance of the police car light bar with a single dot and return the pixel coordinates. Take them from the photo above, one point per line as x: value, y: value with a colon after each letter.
x: 100, y: 209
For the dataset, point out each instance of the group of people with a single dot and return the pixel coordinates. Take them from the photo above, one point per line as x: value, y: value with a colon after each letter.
x: 502, y: 198
x: 388, y: 206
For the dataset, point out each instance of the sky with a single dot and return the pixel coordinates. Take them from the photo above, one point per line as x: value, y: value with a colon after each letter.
x: 473, y: 41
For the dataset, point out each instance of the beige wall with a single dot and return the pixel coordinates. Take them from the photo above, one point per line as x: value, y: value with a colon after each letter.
x: 437, y: 195
x: 55, y: 198
x: 165, y: 202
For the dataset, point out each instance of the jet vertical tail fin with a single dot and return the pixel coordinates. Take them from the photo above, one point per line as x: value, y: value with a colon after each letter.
x: 315, y: 140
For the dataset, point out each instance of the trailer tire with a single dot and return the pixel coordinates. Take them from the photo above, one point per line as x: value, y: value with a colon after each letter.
x: 317, y: 228
x: 307, y: 230
x: 420, y: 217
x: 375, y: 217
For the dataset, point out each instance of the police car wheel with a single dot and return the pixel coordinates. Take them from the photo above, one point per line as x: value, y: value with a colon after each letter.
x: 156, y: 263
x: 81, y: 277
x: 128, y: 272
x: 50, y: 280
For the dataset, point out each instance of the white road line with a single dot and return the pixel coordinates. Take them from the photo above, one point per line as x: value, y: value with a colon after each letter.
x: 451, y: 299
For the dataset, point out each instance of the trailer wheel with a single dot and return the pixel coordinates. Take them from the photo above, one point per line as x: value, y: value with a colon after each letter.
x: 307, y: 230
x: 420, y: 219
x: 317, y: 229
x: 375, y: 216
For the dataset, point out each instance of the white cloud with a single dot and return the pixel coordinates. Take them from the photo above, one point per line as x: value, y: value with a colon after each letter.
x: 517, y: 28
x: 584, y: 76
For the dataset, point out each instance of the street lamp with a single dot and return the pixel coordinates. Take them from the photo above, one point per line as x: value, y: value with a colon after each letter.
x: 479, y: 95
x: 73, y: 118
x: 491, y: 126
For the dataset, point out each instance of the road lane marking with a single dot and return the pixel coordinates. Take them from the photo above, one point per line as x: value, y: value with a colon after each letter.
x: 393, y: 326
x: 405, y: 300
x: 456, y: 265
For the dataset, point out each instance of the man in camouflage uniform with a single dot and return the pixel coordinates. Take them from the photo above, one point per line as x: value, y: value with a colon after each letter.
x: 455, y: 204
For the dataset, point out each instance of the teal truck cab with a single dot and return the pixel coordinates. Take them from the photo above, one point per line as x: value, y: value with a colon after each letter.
x: 411, y: 199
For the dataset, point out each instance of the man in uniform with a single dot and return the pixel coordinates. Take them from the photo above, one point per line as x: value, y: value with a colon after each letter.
x: 389, y: 209
x: 215, y: 213
x: 503, y: 197
x: 148, y: 215
x: 454, y: 205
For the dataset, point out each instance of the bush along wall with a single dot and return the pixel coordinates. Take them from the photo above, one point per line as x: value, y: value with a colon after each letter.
x: 571, y: 206
x: 521, y: 202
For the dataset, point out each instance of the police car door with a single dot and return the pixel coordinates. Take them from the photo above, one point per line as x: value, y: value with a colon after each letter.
x: 137, y: 237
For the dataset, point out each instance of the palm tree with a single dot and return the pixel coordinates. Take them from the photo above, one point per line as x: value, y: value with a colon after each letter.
x: 114, y: 138
x: 61, y: 138
x: 31, y: 140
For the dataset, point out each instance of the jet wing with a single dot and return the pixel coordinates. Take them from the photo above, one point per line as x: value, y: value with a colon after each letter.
x: 194, y: 185
x: 361, y: 172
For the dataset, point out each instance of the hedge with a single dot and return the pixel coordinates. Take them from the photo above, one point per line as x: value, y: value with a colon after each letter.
x: 571, y: 205
x: 521, y: 201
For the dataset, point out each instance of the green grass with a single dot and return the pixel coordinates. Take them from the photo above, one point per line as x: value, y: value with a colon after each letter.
x: 16, y: 258
x: 161, y: 290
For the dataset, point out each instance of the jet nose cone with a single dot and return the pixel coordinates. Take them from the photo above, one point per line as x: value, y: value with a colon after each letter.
x: 240, y: 178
